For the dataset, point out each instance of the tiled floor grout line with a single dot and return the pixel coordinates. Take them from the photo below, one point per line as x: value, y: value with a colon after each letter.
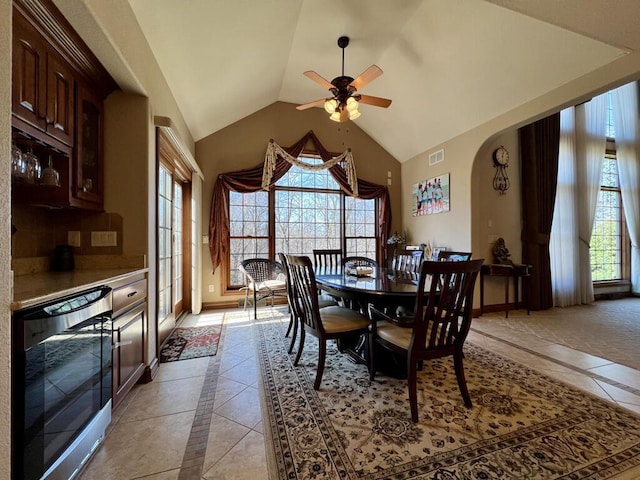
x: 196, y: 448
x: 588, y: 373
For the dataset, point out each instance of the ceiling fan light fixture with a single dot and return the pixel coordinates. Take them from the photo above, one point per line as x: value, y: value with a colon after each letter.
x: 335, y: 116
x: 352, y: 104
x: 331, y: 105
x: 353, y: 114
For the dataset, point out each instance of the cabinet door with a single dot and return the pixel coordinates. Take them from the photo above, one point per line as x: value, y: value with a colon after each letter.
x: 59, y: 100
x: 88, y: 167
x: 29, y: 74
x: 128, y: 351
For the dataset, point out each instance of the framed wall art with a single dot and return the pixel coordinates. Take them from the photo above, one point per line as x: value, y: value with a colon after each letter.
x: 431, y: 196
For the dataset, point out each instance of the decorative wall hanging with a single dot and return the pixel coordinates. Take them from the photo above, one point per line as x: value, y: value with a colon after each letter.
x: 431, y: 196
x: 500, y: 163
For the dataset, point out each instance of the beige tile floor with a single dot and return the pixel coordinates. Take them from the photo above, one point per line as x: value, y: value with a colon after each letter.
x: 149, y: 433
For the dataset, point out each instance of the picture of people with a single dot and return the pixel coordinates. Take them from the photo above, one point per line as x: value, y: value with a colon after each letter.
x: 431, y: 196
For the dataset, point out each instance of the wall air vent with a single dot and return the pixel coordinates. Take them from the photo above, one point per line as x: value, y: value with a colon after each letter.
x: 436, y: 157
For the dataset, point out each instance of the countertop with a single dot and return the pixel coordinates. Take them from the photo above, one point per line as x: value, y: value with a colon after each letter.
x: 36, y: 288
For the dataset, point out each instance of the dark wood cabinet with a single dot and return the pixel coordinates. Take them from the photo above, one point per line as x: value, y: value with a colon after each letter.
x: 42, y: 83
x: 58, y: 89
x: 129, y: 335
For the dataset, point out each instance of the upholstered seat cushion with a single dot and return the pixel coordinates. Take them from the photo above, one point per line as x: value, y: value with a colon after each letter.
x: 340, y: 319
x: 394, y: 334
x: 397, y: 335
x: 270, y: 284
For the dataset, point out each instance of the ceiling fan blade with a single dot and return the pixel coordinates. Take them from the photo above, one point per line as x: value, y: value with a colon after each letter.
x: 367, y: 76
x: 317, y: 103
x: 320, y: 80
x: 377, y: 101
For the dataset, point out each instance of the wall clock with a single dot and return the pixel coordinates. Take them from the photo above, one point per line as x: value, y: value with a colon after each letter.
x: 500, y: 163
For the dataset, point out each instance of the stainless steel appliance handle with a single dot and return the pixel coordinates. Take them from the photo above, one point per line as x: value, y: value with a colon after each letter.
x: 39, y: 325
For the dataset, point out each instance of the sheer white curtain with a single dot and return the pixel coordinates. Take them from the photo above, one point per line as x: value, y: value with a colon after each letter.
x: 563, y: 246
x: 579, y: 171
x: 625, y: 110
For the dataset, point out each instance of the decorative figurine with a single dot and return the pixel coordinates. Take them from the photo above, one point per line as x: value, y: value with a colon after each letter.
x: 501, y: 253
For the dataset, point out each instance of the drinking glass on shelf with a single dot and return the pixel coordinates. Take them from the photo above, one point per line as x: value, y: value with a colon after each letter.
x: 34, y: 170
x: 18, y: 165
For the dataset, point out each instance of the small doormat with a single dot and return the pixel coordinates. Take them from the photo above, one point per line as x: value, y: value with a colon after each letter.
x: 191, y: 342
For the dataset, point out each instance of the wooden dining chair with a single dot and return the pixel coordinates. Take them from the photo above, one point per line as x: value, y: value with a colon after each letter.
x: 327, y: 258
x: 264, y: 278
x: 407, y: 260
x: 334, y: 322
x: 294, y: 316
x: 439, y: 326
x: 450, y: 256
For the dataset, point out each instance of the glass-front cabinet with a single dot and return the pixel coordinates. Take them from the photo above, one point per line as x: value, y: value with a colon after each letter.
x: 88, y: 182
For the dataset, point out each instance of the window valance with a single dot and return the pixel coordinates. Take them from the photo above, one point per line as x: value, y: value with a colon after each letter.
x: 251, y: 180
x: 274, y: 150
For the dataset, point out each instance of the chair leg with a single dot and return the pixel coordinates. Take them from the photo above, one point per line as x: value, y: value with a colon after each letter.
x: 255, y: 305
x: 462, y: 383
x: 300, y: 346
x: 290, y: 324
x: 294, y: 334
x: 322, y: 353
x: 412, y: 378
x: 370, y: 348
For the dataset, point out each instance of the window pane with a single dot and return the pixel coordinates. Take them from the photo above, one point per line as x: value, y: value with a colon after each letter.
x: 310, y: 211
x: 249, y: 230
x: 298, y: 177
x: 606, y: 238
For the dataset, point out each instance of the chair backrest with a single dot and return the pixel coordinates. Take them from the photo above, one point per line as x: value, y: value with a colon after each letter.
x: 407, y: 260
x: 290, y: 294
x: 261, y: 269
x: 442, y: 320
x: 305, y: 292
x: 449, y: 256
x: 327, y: 258
x: 355, y: 261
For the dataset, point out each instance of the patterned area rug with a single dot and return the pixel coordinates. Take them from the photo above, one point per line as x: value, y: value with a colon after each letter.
x: 522, y: 425
x: 191, y: 342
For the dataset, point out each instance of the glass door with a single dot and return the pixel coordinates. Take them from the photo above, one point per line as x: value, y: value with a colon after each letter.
x: 174, y: 238
x: 166, y: 319
x: 178, y: 253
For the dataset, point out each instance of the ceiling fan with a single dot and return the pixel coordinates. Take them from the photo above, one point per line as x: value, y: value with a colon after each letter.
x: 343, y: 105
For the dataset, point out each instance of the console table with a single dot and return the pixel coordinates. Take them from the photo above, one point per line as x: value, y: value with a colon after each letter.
x: 506, y: 271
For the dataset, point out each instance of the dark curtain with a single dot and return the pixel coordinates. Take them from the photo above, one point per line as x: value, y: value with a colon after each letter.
x: 539, y: 145
x: 250, y: 180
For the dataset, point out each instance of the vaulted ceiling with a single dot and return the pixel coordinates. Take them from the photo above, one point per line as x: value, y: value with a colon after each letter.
x: 449, y: 65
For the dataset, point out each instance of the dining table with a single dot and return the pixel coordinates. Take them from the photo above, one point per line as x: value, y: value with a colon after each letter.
x: 383, y: 287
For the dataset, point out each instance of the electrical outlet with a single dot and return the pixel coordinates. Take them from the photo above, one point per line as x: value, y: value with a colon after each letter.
x: 73, y: 238
x: 211, y: 288
x: 104, y: 239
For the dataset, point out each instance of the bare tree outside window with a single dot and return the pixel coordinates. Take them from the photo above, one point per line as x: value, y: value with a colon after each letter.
x: 310, y: 211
